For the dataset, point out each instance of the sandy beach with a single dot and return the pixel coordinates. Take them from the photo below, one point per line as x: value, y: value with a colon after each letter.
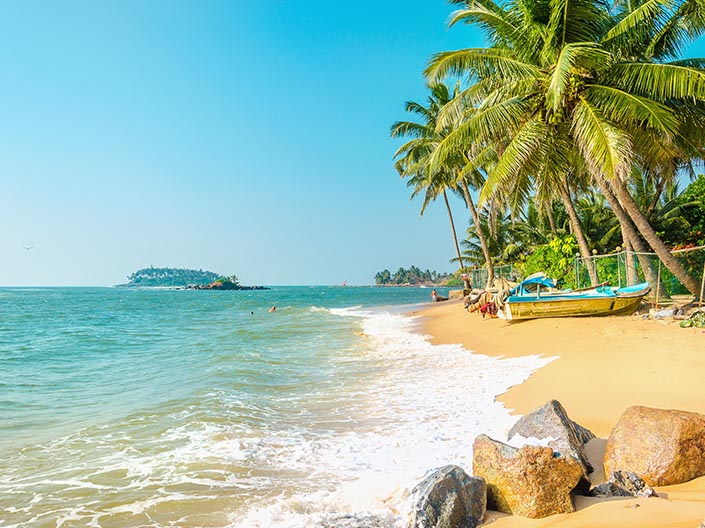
x: 602, y: 366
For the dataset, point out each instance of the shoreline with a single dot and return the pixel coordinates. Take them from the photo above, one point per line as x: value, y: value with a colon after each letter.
x: 602, y: 366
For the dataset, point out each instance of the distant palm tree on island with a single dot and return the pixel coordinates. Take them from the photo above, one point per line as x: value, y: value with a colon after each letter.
x: 184, y: 278
x: 411, y: 277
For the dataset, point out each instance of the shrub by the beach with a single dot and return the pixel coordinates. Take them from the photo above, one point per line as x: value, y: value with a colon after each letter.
x: 663, y: 447
x: 532, y: 481
x: 567, y: 437
x: 555, y: 259
x: 449, y: 498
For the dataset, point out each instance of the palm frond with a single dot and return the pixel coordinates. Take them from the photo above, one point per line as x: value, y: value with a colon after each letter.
x: 620, y: 106
x: 516, y: 157
x: 480, y: 63
x: 605, y: 149
x: 660, y: 82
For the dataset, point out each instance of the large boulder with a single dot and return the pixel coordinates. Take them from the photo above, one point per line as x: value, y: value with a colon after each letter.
x: 551, y: 421
x: 449, y: 498
x: 623, y: 484
x: 661, y: 446
x: 532, y: 481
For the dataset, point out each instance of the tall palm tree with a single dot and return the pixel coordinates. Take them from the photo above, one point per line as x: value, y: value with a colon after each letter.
x: 413, y: 158
x: 568, y: 87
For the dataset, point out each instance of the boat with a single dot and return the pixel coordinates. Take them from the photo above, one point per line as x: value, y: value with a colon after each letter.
x: 536, y: 297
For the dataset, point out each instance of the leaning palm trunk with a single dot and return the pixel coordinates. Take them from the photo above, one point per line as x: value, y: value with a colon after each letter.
x: 631, y: 275
x: 480, y: 234
x: 551, y: 220
x: 644, y: 227
x: 578, y: 232
x: 630, y: 234
x: 455, y: 238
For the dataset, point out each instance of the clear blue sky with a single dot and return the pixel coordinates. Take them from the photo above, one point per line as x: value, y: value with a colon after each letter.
x: 244, y: 137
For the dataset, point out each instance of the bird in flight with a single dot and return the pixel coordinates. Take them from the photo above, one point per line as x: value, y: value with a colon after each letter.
x: 28, y: 247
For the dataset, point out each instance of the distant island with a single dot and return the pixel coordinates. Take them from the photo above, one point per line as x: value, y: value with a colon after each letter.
x: 412, y: 277
x: 184, y: 278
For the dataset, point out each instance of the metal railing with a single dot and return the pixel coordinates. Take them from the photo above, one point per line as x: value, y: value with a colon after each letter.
x: 626, y: 268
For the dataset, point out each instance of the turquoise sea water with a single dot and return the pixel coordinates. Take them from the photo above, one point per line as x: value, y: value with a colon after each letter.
x: 199, y: 408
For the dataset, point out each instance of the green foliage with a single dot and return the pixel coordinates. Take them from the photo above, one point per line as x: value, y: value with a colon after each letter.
x: 411, y: 276
x: 232, y: 281
x: 555, y: 259
x: 693, y: 200
x: 171, y: 277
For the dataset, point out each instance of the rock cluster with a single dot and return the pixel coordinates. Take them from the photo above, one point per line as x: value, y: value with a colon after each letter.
x: 647, y: 447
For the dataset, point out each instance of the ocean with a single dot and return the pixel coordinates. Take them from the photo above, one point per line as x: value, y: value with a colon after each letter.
x: 178, y: 408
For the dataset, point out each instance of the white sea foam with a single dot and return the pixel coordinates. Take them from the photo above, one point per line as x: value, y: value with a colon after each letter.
x: 427, y: 404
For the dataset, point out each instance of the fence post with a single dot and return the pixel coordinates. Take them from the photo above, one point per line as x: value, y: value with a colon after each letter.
x: 702, y: 288
x: 658, y: 282
x: 619, y: 273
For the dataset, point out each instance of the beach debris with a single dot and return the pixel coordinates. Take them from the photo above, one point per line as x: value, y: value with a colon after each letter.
x: 531, y: 481
x: 623, y: 484
x: 663, y: 447
x: 567, y: 437
x: 665, y: 313
x: 448, y: 498
x: 696, y: 319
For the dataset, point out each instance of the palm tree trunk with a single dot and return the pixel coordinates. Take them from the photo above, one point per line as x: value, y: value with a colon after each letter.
x: 629, y: 233
x: 551, y: 220
x: 672, y: 263
x: 455, y: 238
x: 629, y: 260
x: 480, y: 234
x: 578, y: 231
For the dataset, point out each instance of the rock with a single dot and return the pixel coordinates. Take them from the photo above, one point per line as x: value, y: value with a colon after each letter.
x: 551, y: 421
x: 623, y: 484
x: 532, y: 481
x: 354, y: 521
x: 449, y: 498
x: 663, y: 447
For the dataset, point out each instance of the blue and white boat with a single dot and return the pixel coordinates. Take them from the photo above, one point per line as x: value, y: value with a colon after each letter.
x: 536, y: 297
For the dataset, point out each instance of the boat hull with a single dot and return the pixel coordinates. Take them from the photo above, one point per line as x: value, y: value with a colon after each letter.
x: 533, y: 309
x: 591, y: 303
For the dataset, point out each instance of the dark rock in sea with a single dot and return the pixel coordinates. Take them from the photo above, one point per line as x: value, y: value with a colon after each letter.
x: 217, y: 285
x: 663, y: 447
x: 532, y: 481
x: 568, y: 438
x: 623, y: 484
x: 448, y: 498
x: 354, y: 521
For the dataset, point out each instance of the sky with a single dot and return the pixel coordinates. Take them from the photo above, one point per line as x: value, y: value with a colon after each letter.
x: 242, y: 137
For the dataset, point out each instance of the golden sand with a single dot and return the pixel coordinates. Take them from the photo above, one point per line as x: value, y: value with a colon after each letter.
x: 604, y: 365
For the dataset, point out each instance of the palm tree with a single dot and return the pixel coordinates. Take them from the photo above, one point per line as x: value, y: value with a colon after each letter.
x: 413, y: 159
x: 569, y: 88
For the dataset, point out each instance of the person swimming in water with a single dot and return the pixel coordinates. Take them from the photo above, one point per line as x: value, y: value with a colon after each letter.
x: 437, y: 298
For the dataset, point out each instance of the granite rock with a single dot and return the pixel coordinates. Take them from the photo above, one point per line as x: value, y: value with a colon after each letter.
x: 663, y: 447
x: 552, y: 421
x: 448, y: 498
x: 532, y: 481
